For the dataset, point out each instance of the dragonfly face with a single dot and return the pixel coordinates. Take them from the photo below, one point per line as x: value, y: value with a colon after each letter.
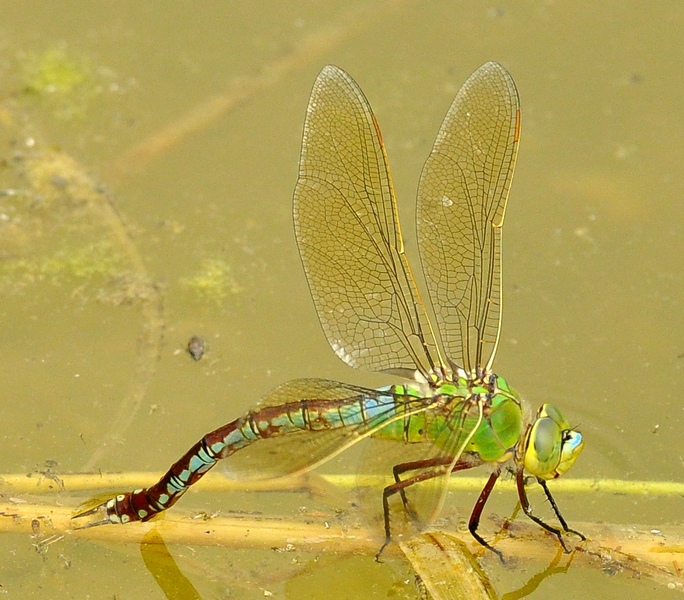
x: 551, y: 445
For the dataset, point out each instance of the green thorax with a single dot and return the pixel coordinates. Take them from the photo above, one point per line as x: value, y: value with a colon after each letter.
x: 472, y: 416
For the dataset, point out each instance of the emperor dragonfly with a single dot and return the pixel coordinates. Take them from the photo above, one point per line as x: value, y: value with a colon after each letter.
x: 454, y: 408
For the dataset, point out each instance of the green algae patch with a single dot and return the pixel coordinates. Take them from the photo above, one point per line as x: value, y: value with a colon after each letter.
x: 65, y: 83
x: 77, y: 265
x: 214, y: 281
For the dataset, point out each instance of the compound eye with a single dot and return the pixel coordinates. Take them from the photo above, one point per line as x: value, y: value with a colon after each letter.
x: 552, y: 446
x: 543, y: 448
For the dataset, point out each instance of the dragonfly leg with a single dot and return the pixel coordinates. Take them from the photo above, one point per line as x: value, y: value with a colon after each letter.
x: 527, y: 509
x: 474, y: 521
x: 434, y: 468
x: 401, y: 468
x: 557, y: 512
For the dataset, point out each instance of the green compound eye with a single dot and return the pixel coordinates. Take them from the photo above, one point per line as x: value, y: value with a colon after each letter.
x: 552, y: 446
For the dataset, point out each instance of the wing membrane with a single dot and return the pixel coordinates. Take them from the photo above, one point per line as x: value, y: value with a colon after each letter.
x: 346, y: 405
x: 349, y: 238
x: 461, y: 204
x: 302, y: 450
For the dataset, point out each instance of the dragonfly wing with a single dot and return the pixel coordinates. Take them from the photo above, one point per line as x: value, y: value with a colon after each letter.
x: 349, y: 238
x: 461, y: 204
x: 313, y: 420
x: 338, y: 415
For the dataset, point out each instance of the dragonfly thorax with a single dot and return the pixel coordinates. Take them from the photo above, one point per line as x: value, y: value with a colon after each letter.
x: 550, y: 446
x: 442, y: 375
x: 477, y: 416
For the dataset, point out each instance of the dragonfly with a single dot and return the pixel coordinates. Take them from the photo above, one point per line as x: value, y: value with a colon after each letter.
x: 451, y: 412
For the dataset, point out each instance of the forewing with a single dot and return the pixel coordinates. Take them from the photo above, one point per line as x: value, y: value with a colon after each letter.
x: 461, y: 204
x: 349, y: 238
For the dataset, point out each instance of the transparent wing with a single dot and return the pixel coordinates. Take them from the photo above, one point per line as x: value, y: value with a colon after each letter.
x: 349, y: 238
x: 351, y: 413
x: 461, y: 204
x: 354, y: 413
x: 428, y: 474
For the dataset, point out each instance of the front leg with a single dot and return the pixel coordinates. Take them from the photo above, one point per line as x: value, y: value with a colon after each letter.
x: 527, y: 509
x: 557, y: 511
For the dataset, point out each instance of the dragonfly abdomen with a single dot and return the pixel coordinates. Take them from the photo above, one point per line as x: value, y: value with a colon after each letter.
x: 305, y: 415
x: 314, y: 415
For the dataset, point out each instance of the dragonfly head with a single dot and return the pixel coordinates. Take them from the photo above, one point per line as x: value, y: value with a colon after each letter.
x: 551, y: 445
